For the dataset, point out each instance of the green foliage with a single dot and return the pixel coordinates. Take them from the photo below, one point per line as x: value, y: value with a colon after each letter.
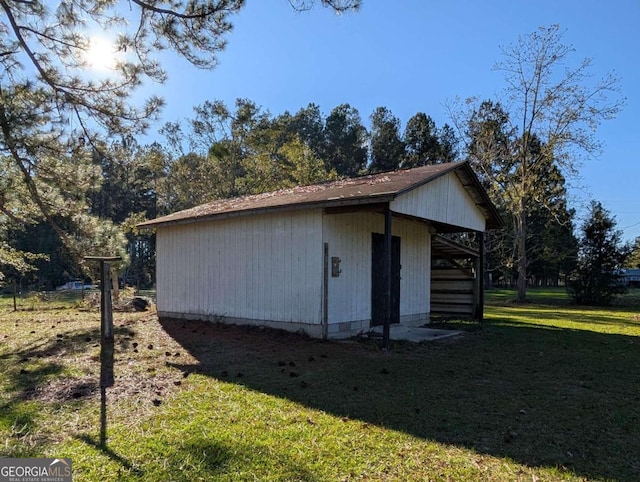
x: 344, y: 147
x: 596, y: 280
x: 387, y: 148
x: 56, y: 110
x: 16, y: 264
x: 52, y: 267
x: 308, y: 125
x: 225, y: 153
x: 421, y: 141
x: 304, y: 167
x: 448, y: 144
x: 633, y: 259
x: 426, y: 144
x: 552, y: 246
x: 130, y: 174
x: 532, y: 199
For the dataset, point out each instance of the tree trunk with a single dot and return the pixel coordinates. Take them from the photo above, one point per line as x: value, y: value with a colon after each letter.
x: 521, y: 245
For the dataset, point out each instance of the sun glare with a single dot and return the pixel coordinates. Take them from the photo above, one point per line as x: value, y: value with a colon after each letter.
x: 101, y: 55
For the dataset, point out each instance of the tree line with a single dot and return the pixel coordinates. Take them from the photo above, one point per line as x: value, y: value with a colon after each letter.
x: 69, y: 189
x: 224, y: 152
x: 227, y: 151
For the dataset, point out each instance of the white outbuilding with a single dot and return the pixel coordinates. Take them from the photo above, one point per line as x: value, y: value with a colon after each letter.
x: 332, y: 260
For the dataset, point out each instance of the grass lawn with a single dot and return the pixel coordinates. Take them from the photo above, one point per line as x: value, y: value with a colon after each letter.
x: 542, y: 391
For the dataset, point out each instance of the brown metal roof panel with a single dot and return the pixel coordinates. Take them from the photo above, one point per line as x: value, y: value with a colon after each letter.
x: 358, y: 190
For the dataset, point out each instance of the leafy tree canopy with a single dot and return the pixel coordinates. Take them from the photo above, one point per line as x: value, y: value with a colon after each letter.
x: 633, y: 261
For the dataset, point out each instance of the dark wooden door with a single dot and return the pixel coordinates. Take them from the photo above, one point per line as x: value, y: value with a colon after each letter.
x: 377, y: 279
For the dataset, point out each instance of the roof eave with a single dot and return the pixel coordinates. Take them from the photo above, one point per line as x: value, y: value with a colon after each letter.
x: 371, y: 199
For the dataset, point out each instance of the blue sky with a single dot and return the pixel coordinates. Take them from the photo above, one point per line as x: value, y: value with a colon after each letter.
x: 415, y: 56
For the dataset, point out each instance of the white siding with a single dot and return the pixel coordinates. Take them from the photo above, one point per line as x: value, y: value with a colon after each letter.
x: 444, y: 200
x: 415, y: 259
x: 262, y: 267
x: 349, y: 238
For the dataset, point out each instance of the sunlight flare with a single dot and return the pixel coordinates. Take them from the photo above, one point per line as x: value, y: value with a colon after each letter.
x: 102, y: 54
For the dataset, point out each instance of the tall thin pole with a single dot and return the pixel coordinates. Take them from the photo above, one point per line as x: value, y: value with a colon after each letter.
x: 106, y: 346
x: 106, y: 340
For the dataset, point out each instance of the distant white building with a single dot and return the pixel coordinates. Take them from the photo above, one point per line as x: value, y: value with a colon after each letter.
x: 313, y: 258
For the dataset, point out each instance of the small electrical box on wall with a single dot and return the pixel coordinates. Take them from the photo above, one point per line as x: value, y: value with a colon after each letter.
x: 335, y: 267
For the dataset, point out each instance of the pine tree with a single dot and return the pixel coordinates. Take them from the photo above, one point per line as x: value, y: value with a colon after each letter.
x: 56, y: 111
x: 597, y: 281
x: 387, y: 148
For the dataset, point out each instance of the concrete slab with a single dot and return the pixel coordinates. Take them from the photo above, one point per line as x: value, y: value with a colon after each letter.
x: 415, y: 333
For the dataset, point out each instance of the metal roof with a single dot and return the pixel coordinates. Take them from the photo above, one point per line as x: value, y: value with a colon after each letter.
x: 375, y: 188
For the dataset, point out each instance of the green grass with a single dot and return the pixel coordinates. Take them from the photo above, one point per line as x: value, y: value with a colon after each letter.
x: 543, y: 391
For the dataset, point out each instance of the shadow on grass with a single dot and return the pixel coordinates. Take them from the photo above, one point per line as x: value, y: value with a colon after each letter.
x: 542, y: 397
x: 35, y: 374
x: 199, y: 455
x: 119, y: 459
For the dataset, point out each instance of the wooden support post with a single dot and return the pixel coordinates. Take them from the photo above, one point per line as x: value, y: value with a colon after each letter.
x: 106, y: 327
x: 481, y: 278
x: 107, y: 340
x: 386, y: 327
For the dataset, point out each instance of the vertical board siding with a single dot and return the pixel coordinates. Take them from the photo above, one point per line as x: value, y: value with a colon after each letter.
x: 444, y: 200
x: 262, y: 267
x: 349, y: 238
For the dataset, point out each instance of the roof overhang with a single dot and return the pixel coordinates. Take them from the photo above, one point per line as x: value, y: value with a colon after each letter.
x: 327, y: 204
x: 349, y: 193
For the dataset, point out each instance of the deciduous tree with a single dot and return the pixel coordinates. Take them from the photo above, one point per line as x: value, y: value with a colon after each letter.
x: 554, y: 111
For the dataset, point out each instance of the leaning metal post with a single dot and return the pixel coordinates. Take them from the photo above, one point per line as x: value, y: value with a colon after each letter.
x: 106, y: 338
